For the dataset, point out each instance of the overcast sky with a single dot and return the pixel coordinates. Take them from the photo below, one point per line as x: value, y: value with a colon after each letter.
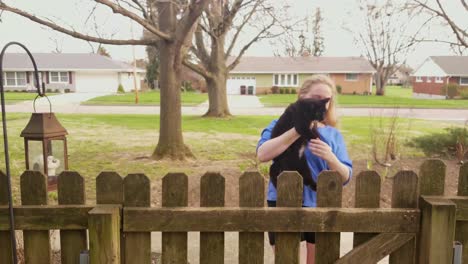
x: 73, y: 13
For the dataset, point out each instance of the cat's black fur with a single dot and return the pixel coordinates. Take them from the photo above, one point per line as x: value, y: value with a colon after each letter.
x: 298, y: 115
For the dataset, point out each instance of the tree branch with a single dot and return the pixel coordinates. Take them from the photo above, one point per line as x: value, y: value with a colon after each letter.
x: 239, y: 29
x: 120, y: 10
x: 198, y: 69
x: 244, y: 49
x: 76, y: 34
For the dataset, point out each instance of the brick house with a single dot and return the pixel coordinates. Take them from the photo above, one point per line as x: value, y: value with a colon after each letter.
x: 257, y: 75
x: 435, y: 72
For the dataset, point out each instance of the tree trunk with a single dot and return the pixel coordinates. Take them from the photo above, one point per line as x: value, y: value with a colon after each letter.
x: 171, y: 143
x: 380, y: 84
x: 217, y: 95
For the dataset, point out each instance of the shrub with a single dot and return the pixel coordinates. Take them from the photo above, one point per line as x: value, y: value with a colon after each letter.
x: 451, y: 90
x: 339, y: 89
x: 57, y: 91
x: 67, y: 90
x: 48, y: 90
x: 281, y: 90
x: 441, y: 143
x: 293, y: 91
x: 463, y: 93
x: 287, y: 91
x: 120, y: 89
x: 275, y: 90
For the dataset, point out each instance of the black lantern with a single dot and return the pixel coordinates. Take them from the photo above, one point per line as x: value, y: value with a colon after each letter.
x: 45, y: 145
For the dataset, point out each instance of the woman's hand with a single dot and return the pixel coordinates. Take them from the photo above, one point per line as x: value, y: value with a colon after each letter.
x: 324, y: 151
x: 321, y: 150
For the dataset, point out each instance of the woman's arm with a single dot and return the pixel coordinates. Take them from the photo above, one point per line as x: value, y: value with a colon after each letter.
x: 324, y: 151
x: 274, y: 147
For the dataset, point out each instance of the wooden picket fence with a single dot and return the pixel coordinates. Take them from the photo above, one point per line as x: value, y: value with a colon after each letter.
x: 419, y: 228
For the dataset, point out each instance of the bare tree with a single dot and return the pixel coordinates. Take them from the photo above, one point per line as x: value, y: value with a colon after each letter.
x: 318, y: 45
x: 216, y: 38
x: 172, y: 33
x: 459, y: 29
x: 387, y: 37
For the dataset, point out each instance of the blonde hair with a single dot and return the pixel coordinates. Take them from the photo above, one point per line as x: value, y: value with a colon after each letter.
x: 330, y: 117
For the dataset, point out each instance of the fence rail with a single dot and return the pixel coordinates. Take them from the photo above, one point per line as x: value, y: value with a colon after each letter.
x: 420, y: 226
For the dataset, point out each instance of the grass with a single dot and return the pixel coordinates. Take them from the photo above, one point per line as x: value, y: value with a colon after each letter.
x: 146, y: 98
x: 13, y: 98
x: 122, y: 143
x: 396, y: 96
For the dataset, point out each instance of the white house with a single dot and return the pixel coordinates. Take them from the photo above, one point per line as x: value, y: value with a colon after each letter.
x: 69, y: 72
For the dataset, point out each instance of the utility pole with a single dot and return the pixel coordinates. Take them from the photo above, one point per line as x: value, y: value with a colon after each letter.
x: 134, y: 66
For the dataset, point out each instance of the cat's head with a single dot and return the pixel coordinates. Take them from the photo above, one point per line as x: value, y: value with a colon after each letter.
x: 313, y: 109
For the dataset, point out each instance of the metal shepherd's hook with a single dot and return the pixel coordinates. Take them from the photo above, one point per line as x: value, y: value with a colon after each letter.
x: 40, y: 93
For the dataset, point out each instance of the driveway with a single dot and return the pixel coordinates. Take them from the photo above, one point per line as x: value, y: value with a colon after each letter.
x: 68, y: 98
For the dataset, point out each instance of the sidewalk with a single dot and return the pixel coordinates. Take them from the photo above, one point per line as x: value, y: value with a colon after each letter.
x: 459, y: 115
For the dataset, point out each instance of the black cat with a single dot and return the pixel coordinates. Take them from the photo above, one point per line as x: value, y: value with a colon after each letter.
x: 298, y: 115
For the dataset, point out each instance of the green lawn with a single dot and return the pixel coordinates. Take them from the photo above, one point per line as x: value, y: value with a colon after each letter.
x: 395, y: 97
x: 146, y: 98
x: 13, y: 98
x: 122, y: 143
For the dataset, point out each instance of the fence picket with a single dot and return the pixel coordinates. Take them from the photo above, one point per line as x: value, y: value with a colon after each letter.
x: 461, y: 229
x: 71, y: 190
x: 251, y: 194
x: 212, y: 189
x: 329, y: 194
x: 5, y: 238
x: 405, y: 195
x: 137, y: 194
x: 367, y: 195
x: 289, y: 195
x: 174, y: 194
x: 36, y: 243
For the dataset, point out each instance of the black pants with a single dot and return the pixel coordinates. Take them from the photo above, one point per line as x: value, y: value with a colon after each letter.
x: 307, y: 236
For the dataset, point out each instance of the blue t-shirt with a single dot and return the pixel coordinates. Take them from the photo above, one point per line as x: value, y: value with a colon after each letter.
x: 334, y: 139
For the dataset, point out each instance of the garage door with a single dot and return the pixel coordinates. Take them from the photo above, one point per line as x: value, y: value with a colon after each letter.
x: 91, y: 82
x: 236, y: 85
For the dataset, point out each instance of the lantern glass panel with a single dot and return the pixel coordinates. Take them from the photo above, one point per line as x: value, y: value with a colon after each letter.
x: 35, y: 155
x: 56, y: 157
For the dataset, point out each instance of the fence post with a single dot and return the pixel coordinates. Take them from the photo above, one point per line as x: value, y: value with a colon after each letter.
x: 251, y: 194
x: 431, y: 182
x: 329, y: 194
x: 461, y: 229
x: 212, y: 189
x: 405, y: 195
x: 437, y: 230
x: 5, y: 238
x: 71, y: 190
x: 36, y: 243
x: 174, y: 194
x: 104, y: 234
x: 367, y: 195
x: 289, y: 195
x: 137, y: 193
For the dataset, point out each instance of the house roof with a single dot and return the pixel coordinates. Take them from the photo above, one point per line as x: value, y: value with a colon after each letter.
x: 65, y: 61
x: 452, y: 65
x: 303, y: 65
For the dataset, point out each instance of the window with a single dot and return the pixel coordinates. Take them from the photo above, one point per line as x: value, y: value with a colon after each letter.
x: 428, y: 79
x: 290, y: 80
x: 59, y: 77
x: 419, y: 79
x: 14, y: 79
x: 438, y: 79
x: 463, y: 80
x: 351, y: 77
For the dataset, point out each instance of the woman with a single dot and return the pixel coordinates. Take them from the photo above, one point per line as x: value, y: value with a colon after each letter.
x: 327, y: 153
